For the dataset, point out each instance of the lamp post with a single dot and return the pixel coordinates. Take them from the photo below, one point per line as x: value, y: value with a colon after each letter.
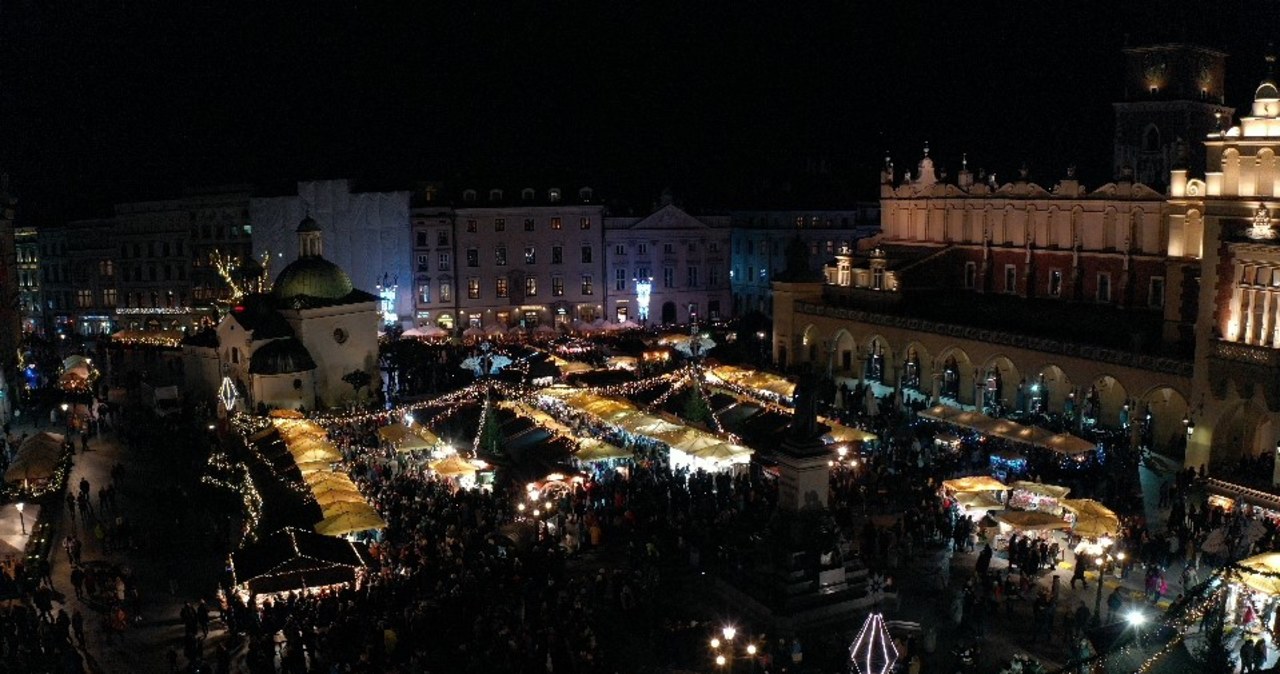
x: 723, y: 652
x: 1103, y: 559
x: 21, y: 518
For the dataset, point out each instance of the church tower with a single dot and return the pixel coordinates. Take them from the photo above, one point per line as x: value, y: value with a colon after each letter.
x: 1173, y: 98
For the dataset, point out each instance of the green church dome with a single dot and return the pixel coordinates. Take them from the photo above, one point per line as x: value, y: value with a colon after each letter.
x: 312, y: 277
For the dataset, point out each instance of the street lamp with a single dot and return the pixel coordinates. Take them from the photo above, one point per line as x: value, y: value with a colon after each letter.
x: 21, y: 518
x: 1103, y: 559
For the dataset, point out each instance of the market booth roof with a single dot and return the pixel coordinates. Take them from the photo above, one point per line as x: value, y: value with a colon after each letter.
x: 1069, y: 444
x: 975, y: 420
x: 1031, y: 520
x: 842, y: 433
x: 35, y: 462
x: 979, y: 500
x: 1260, y: 573
x: 291, y: 559
x: 452, y: 466
x: 940, y: 412
x: 591, y: 449
x: 1044, y: 490
x: 975, y: 483
x: 1092, y: 518
x: 408, y: 439
x: 348, y: 518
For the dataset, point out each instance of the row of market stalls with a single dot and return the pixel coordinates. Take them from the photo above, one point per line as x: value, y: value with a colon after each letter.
x: 1031, y: 506
x: 1063, y: 443
x: 688, y: 446
x: 39, y: 461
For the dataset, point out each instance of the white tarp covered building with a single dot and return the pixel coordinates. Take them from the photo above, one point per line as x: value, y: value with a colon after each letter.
x: 365, y: 233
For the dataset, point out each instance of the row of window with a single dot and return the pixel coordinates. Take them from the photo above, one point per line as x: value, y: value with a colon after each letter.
x: 776, y: 247
x: 162, y: 248
x: 502, y: 288
x: 1102, y: 290
x: 500, y: 225
x: 218, y: 232
x: 554, y: 195
x: 751, y: 273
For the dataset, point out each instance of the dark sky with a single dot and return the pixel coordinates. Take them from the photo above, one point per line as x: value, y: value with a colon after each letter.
x: 105, y: 101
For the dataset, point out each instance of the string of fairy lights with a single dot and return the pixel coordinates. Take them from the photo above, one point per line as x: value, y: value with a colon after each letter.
x: 251, y: 499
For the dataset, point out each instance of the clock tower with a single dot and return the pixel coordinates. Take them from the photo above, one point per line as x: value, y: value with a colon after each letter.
x: 1173, y: 98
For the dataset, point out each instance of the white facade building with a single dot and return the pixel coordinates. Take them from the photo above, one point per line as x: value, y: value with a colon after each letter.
x: 685, y: 258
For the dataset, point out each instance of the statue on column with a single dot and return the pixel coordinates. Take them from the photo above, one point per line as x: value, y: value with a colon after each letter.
x: 804, y: 423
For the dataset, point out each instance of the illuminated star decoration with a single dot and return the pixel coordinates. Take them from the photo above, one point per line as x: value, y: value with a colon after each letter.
x: 476, y: 364
x: 687, y: 346
x: 873, y: 651
x: 227, y: 394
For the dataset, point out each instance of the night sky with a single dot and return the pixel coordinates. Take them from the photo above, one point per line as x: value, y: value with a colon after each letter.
x: 729, y: 104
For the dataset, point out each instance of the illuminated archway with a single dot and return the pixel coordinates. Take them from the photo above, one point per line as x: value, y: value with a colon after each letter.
x: 1242, y: 431
x: 809, y: 343
x: 1104, y: 402
x: 917, y: 368
x: 1160, y: 418
x: 956, y: 376
x: 1049, y: 389
x: 877, y: 360
x: 1000, y: 384
x: 846, y: 352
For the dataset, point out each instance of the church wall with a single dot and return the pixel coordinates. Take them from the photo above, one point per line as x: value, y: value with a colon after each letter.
x: 316, y: 329
x: 280, y: 391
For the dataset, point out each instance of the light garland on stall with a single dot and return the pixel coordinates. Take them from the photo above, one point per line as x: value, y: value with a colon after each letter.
x: 162, y: 341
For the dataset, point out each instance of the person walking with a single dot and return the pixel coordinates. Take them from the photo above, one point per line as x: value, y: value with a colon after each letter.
x: 77, y: 626
x: 1115, y: 601
x: 77, y: 581
x: 1078, y: 574
x: 71, y: 509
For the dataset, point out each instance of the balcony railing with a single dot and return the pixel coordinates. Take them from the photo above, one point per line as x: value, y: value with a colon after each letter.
x: 1174, y: 366
x: 1246, y: 353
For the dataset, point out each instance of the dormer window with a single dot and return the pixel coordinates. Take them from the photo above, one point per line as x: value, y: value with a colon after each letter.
x: 527, y: 194
x: 585, y: 194
x: 495, y: 195
x: 469, y: 195
x: 553, y: 195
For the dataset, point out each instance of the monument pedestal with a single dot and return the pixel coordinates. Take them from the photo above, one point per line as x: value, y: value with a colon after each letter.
x: 800, y: 578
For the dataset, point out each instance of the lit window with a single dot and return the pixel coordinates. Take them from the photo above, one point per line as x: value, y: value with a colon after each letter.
x: 530, y: 286
x: 424, y: 292
x: 584, y: 223
x: 530, y: 255
x: 500, y: 256
x: 555, y: 223
x: 586, y: 284
x: 501, y: 287
x: 446, y: 292
x: 473, y: 288
x: 557, y: 286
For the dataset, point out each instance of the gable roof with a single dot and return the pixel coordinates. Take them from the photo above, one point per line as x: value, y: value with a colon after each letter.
x: 669, y: 217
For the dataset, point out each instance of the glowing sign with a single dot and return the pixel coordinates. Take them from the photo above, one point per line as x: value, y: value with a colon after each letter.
x: 387, y: 302
x: 644, y: 287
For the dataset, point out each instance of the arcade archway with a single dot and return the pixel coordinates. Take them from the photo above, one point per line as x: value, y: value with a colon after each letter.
x: 1000, y: 385
x: 1160, y: 419
x: 1105, y: 401
x: 956, y: 376
x: 1243, y: 431
x: 1048, y: 390
x: 917, y: 369
x: 846, y: 353
x: 877, y: 360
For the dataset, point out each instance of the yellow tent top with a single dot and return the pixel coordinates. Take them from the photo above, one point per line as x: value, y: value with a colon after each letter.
x: 408, y: 438
x: 591, y: 449
x: 1260, y: 573
x: 1031, y: 520
x: 452, y: 466
x: 975, y: 483
x: 357, y: 517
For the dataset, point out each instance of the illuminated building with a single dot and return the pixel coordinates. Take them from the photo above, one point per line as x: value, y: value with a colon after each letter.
x: 291, y: 348
x: 687, y: 257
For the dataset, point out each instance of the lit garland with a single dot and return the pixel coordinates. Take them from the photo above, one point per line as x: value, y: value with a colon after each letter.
x: 250, y: 498
x: 155, y: 311
x: 226, y: 268
x: 160, y: 340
